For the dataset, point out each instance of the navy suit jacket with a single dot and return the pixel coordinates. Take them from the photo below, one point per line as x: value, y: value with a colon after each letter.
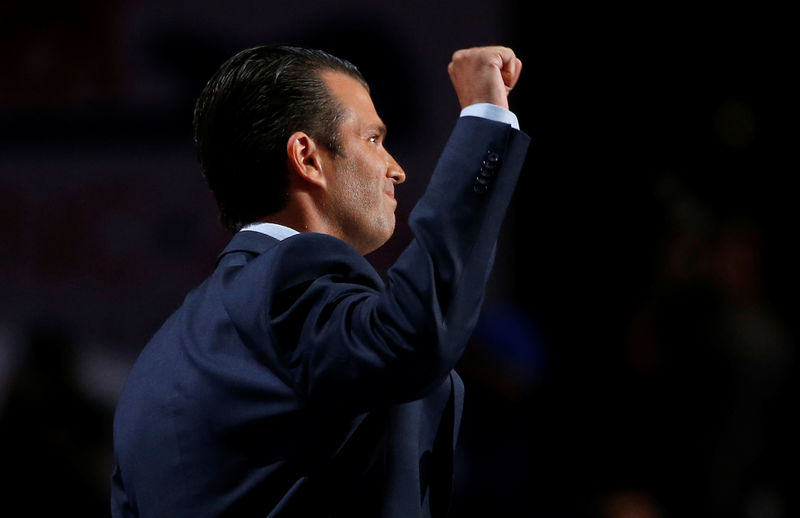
x: 296, y: 382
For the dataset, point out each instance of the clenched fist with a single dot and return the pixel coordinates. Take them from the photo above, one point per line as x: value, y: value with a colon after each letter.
x: 484, y: 75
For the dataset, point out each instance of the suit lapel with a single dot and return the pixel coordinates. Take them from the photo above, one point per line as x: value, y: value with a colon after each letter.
x: 442, y: 484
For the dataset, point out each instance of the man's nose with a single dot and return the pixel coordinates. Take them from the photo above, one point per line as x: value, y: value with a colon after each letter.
x: 395, y: 172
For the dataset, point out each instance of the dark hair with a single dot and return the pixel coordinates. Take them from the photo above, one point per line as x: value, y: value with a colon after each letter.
x: 247, y: 112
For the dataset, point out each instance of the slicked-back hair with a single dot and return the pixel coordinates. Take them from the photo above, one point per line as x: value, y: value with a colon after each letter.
x: 245, y: 115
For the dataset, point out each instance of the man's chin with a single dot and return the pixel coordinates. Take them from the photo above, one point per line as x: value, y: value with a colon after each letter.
x: 381, y: 239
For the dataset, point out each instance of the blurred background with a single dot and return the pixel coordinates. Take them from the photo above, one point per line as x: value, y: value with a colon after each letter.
x: 637, y: 353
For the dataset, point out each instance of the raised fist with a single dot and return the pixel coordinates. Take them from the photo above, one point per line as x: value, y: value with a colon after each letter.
x: 484, y: 75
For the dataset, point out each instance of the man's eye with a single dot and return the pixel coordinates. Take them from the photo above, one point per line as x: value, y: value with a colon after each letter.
x: 374, y: 138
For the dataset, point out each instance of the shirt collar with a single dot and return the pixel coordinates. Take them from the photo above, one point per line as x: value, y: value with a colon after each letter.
x: 279, y: 232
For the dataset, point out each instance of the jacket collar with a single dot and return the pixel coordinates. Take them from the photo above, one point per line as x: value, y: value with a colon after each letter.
x: 248, y: 241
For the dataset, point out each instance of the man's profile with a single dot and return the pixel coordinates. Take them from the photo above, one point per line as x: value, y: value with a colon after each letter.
x: 295, y: 381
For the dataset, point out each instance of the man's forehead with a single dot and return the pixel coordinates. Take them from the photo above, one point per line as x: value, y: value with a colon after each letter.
x: 340, y: 80
x: 353, y: 96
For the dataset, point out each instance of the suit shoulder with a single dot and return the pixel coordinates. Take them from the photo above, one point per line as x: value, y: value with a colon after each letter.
x: 309, y: 256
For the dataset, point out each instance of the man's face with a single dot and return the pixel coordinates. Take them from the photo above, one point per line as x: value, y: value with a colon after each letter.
x: 361, y: 201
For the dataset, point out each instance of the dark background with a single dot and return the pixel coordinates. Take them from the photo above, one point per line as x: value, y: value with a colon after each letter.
x: 636, y: 356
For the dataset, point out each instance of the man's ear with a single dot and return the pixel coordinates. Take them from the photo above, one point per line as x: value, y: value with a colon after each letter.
x: 304, y: 158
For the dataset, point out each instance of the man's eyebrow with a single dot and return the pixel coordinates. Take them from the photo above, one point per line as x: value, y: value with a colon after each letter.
x: 379, y: 128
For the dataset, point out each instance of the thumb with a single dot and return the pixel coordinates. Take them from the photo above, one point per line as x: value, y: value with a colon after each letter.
x: 511, y: 72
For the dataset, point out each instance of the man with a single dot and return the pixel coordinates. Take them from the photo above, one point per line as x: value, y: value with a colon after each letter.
x: 295, y: 381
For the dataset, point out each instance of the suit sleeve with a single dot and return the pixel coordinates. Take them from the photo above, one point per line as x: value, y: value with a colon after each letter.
x: 345, y: 337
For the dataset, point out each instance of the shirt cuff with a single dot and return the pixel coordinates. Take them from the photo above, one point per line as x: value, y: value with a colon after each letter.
x: 492, y: 112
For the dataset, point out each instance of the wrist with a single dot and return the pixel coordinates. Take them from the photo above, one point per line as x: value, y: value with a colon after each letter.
x: 492, y: 112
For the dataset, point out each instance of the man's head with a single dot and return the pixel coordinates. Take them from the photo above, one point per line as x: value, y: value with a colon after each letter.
x: 245, y: 116
x: 351, y: 192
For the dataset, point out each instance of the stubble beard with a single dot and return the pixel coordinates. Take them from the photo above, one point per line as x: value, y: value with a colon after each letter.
x: 360, y: 212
